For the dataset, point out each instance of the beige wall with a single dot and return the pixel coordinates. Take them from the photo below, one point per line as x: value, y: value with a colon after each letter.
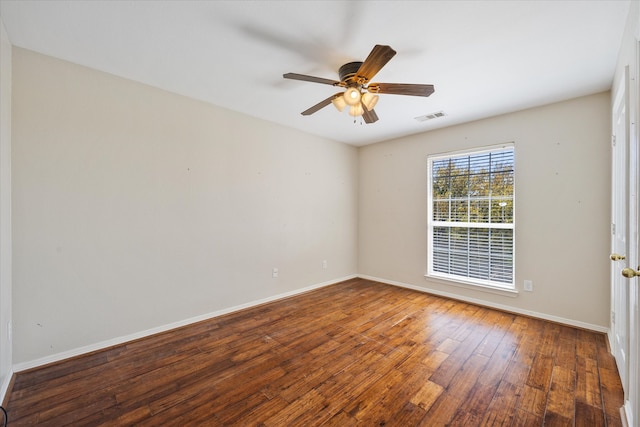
x: 135, y: 208
x: 5, y: 210
x: 562, y: 208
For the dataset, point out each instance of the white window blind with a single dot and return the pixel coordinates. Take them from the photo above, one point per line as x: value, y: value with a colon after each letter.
x: 471, y: 224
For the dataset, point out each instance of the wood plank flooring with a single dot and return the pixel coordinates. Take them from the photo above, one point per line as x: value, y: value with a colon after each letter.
x: 355, y: 353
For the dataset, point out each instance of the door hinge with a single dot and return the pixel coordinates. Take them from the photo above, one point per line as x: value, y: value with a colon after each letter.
x: 613, y: 229
x: 613, y: 140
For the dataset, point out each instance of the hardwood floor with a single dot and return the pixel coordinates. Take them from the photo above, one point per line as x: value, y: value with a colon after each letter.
x: 355, y: 353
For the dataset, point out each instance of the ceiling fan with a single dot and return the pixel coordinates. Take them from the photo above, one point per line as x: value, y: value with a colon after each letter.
x: 360, y: 95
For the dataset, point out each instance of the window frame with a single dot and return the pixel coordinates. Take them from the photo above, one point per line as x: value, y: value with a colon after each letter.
x: 431, y: 223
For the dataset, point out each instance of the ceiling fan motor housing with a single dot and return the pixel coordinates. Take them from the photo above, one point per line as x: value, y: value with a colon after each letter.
x: 348, y: 72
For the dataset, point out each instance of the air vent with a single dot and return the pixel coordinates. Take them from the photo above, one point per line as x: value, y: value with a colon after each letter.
x: 430, y: 116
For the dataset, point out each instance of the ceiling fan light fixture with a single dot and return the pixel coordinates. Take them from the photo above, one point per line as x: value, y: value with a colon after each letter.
x: 339, y: 103
x: 356, y: 110
x: 352, y: 96
x: 370, y: 100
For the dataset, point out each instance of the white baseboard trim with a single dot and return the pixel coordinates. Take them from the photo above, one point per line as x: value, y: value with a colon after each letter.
x: 508, y: 308
x: 19, y: 367
x: 4, y: 387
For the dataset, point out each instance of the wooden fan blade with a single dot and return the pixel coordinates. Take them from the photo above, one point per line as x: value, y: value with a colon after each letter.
x: 401, y: 89
x: 305, y: 78
x: 320, y: 105
x: 377, y: 59
x: 369, y: 116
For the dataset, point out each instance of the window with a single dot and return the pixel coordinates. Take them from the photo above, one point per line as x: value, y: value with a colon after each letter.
x: 470, y: 212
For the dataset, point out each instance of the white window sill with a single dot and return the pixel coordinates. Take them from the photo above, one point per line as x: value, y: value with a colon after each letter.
x: 512, y: 293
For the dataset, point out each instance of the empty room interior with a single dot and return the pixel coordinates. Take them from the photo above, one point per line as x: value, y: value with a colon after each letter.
x: 335, y: 213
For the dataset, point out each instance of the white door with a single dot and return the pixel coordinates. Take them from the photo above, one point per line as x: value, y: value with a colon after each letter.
x: 625, y: 321
x: 619, y: 230
x: 632, y: 392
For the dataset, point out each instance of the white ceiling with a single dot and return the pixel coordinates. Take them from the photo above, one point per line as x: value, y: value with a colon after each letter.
x: 484, y: 57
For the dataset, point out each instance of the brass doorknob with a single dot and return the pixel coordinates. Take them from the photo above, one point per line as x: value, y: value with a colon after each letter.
x: 630, y: 273
x: 616, y: 257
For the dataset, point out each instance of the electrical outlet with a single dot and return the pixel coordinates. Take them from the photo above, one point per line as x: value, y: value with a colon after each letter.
x: 324, y: 263
x: 528, y: 285
x: 274, y: 273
